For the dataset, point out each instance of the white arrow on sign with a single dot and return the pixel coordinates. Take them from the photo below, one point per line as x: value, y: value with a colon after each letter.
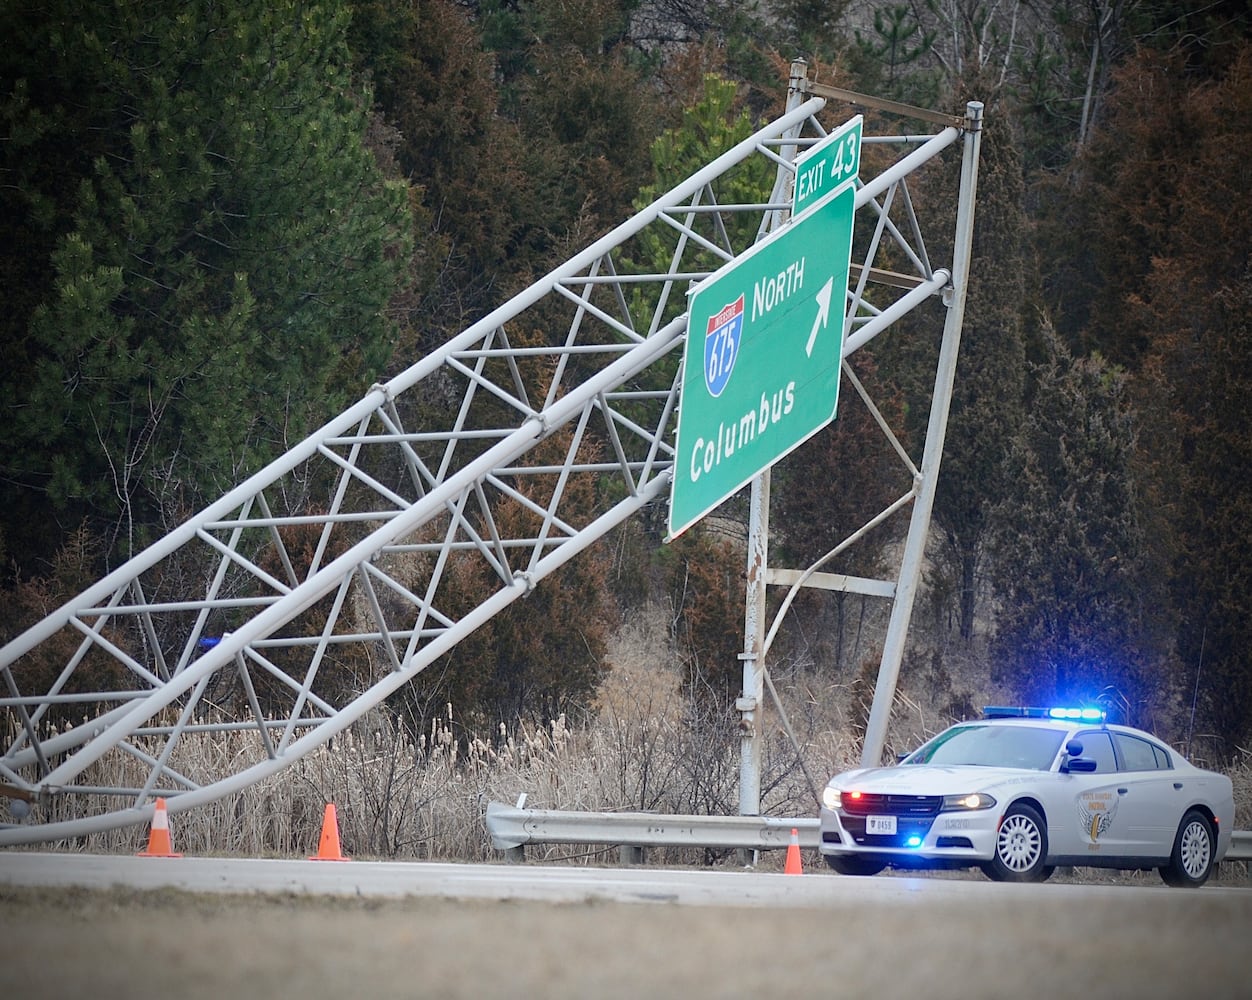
x: 823, y: 313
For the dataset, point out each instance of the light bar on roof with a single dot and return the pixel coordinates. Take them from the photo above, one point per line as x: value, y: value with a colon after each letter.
x: 1025, y: 712
x: 1081, y: 714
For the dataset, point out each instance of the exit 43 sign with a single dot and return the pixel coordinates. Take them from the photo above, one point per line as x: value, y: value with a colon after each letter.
x: 824, y: 168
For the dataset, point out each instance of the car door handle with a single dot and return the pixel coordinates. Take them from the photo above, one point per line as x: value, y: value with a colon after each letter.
x: 1122, y: 791
x: 1178, y: 784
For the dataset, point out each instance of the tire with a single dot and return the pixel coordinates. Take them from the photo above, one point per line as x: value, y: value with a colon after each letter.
x: 1191, y: 861
x: 1021, y: 847
x: 846, y: 865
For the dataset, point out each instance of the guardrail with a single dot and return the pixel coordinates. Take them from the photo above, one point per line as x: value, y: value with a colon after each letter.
x: 513, y: 827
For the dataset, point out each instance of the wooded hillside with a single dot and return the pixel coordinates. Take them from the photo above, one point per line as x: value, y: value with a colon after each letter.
x: 220, y: 221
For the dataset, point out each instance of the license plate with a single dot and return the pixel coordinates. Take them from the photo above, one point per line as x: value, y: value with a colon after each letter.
x: 881, y: 825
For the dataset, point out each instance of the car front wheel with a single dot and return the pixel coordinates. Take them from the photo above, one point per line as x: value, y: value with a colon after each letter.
x: 1191, y: 861
x: 845, y: 865
x: 1021, y: 847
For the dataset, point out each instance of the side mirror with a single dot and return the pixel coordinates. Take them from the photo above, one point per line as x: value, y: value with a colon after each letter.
x: 1075, y: 762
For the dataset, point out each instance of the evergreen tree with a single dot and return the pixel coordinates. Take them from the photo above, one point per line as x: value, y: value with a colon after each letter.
x: 1208, y: 36
x: 589, y: 98
x: 1150, y: 260
x: 893, y: 50
x: 200, y: 247
x: 987, y: 396
x: 811, y: 27
x: 1191, y: 311
x: 1214, y: 578
x: 1116, y: 212
x: 715, y: 122
x: 469, y: 165
x: 521, y: 126
x: 1078, y: 603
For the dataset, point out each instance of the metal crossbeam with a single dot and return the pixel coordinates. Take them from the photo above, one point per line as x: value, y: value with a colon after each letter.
x: 342, y: 550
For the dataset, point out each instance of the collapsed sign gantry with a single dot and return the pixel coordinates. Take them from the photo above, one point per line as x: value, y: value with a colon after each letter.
x: 341, y: 551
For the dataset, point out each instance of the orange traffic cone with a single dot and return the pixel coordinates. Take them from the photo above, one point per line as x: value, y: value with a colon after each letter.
x: 793, y: 855
x: 159, y: 845
x: 328, y: 846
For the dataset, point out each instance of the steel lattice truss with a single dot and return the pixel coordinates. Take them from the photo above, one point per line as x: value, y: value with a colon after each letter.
x: 339, y: 558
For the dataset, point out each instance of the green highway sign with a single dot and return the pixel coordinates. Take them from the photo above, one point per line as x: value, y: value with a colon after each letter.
x: 761, y: 363
x: 833, y: 162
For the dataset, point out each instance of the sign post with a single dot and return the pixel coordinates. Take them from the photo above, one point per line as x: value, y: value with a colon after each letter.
x: 761, y: 368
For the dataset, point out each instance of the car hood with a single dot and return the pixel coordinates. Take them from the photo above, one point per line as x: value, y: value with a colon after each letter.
x: 927, y: 779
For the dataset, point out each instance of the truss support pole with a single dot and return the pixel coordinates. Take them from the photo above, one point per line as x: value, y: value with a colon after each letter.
x: 752, y: 700
x: 752, y: 697
x: 928, y: 475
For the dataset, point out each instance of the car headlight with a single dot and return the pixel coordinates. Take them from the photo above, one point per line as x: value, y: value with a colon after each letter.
x: 831, y: 797
x: 976, y: 800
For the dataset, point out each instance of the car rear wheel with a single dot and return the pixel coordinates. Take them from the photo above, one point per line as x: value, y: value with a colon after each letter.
x: 1021, y: 847
x: 1191, y: 861
x: 845, y: 865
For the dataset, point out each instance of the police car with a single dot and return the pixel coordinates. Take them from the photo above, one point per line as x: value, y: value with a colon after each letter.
x: 1024, y: 790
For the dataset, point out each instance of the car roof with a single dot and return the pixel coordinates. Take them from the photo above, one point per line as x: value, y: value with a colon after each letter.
x: 1064, y: 725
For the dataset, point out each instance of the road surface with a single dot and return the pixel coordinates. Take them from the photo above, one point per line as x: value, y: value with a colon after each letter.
x: 323, y: 929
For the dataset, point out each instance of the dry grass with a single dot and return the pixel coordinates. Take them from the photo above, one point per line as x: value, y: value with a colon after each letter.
x: 646, y: 747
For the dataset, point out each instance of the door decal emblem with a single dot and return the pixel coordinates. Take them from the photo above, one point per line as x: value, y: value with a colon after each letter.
x: 1096, y: 811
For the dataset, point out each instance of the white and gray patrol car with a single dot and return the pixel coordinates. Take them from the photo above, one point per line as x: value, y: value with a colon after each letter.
x: 1024, y: 790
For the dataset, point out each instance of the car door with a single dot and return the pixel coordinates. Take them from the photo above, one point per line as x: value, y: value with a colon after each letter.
x: 1096, y: 828
x: 1149, y: 804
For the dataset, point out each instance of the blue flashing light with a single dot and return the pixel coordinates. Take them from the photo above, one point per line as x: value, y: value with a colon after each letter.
x: 1023, y: 712
x: 1080, y: 714
x: 914, y: 841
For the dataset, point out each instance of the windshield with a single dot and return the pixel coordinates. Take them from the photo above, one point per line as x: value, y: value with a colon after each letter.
x: 1027, y: 747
